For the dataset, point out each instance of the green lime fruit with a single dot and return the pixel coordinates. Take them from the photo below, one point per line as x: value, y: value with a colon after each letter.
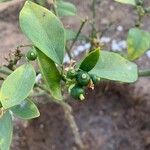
x: 77, y: 92
x: 83, y: 78
x: 95, y: 79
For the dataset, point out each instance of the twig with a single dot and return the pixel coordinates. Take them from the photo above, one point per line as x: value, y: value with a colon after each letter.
x: 71, y: 120
x: 24, y: 45
x: 79, y: 31
x: 54, y: 8
x: 94, y: 16
x: 5, y: 70
x: 144, y: 73
x: 44, y: 88
x: 68, y: 52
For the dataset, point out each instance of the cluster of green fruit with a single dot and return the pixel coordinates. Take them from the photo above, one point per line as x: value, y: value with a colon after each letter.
x: 78, y: 78
x: 81, y: 79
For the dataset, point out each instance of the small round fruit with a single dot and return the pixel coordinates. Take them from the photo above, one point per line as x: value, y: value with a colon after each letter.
x: 95, y: 79
x: 31, y: 55
x: 83, y: 78
x: 77, y: 93
x: 71, y: 74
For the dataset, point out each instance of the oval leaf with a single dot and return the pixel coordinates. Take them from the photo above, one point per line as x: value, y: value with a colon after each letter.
x: 17, y: 86
x: 65, y: 9
x: 44, y: 29
x: 131, y: 2
x: 50, y: 74
x: 114, y: 67
x: 6, y: 131
x: 90, y: 61
x: 26, y: 110
x: 138, y: 42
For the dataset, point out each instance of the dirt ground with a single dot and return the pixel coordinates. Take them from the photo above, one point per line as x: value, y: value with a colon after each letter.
x: 113, y: 116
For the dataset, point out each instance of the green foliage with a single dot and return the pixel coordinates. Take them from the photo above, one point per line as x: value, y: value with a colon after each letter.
x: 26, y: 110
x: 114, y: 67
x: 4, y: 1
x: 44, y: 29
x: 50, y: 74
x: 65, y: 8
x: 49, y: 37
x: 138, y: 43
x: 17, y: 86
x: 6, y: 130
x: 131, y: 2
x: 90, y: 61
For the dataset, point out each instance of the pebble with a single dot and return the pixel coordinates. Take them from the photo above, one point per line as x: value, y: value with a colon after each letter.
x: 148, y: 53
x: 120, y: 28
x: 105, y: 39
x: 118, y: 46
x: 38, y: 78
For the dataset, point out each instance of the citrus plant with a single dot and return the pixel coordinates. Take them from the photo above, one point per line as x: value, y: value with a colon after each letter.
x: 49, y: 40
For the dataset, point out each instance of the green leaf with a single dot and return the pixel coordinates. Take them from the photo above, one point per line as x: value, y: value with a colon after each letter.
x: 44, y: 29
x: 50, y: 74
x: 65, y: 9
x: 138, y: 42
x: 26, y: 110
x: 17, y: 86
x: 112, y: 66
x: 71, y: 35
x: 6, y: 131
x: 90, y: 61
x: 131, y: 2
x: 4, y: 1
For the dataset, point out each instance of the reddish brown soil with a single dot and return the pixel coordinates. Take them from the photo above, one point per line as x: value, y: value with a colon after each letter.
x: 109, y: 119
x: 113, y: 117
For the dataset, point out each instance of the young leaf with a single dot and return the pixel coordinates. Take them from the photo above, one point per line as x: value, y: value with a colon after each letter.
x: 17, y: 86
x: 65, y: 9
x: 26, y: 110
x: 138, y: 42
x: 112, y: 66
x: 50, y: 74
x: 6, y: 131
x: 90, y: 61
x: 44, y: 29
x: 131, y: 2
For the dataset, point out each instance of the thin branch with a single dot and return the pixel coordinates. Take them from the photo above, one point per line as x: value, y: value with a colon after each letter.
x: 71, y: 120
x: 144, y: 73
x: 5, y: 70
x: 94, y: 16
x: 68, y: 52
x: 78, y: 33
